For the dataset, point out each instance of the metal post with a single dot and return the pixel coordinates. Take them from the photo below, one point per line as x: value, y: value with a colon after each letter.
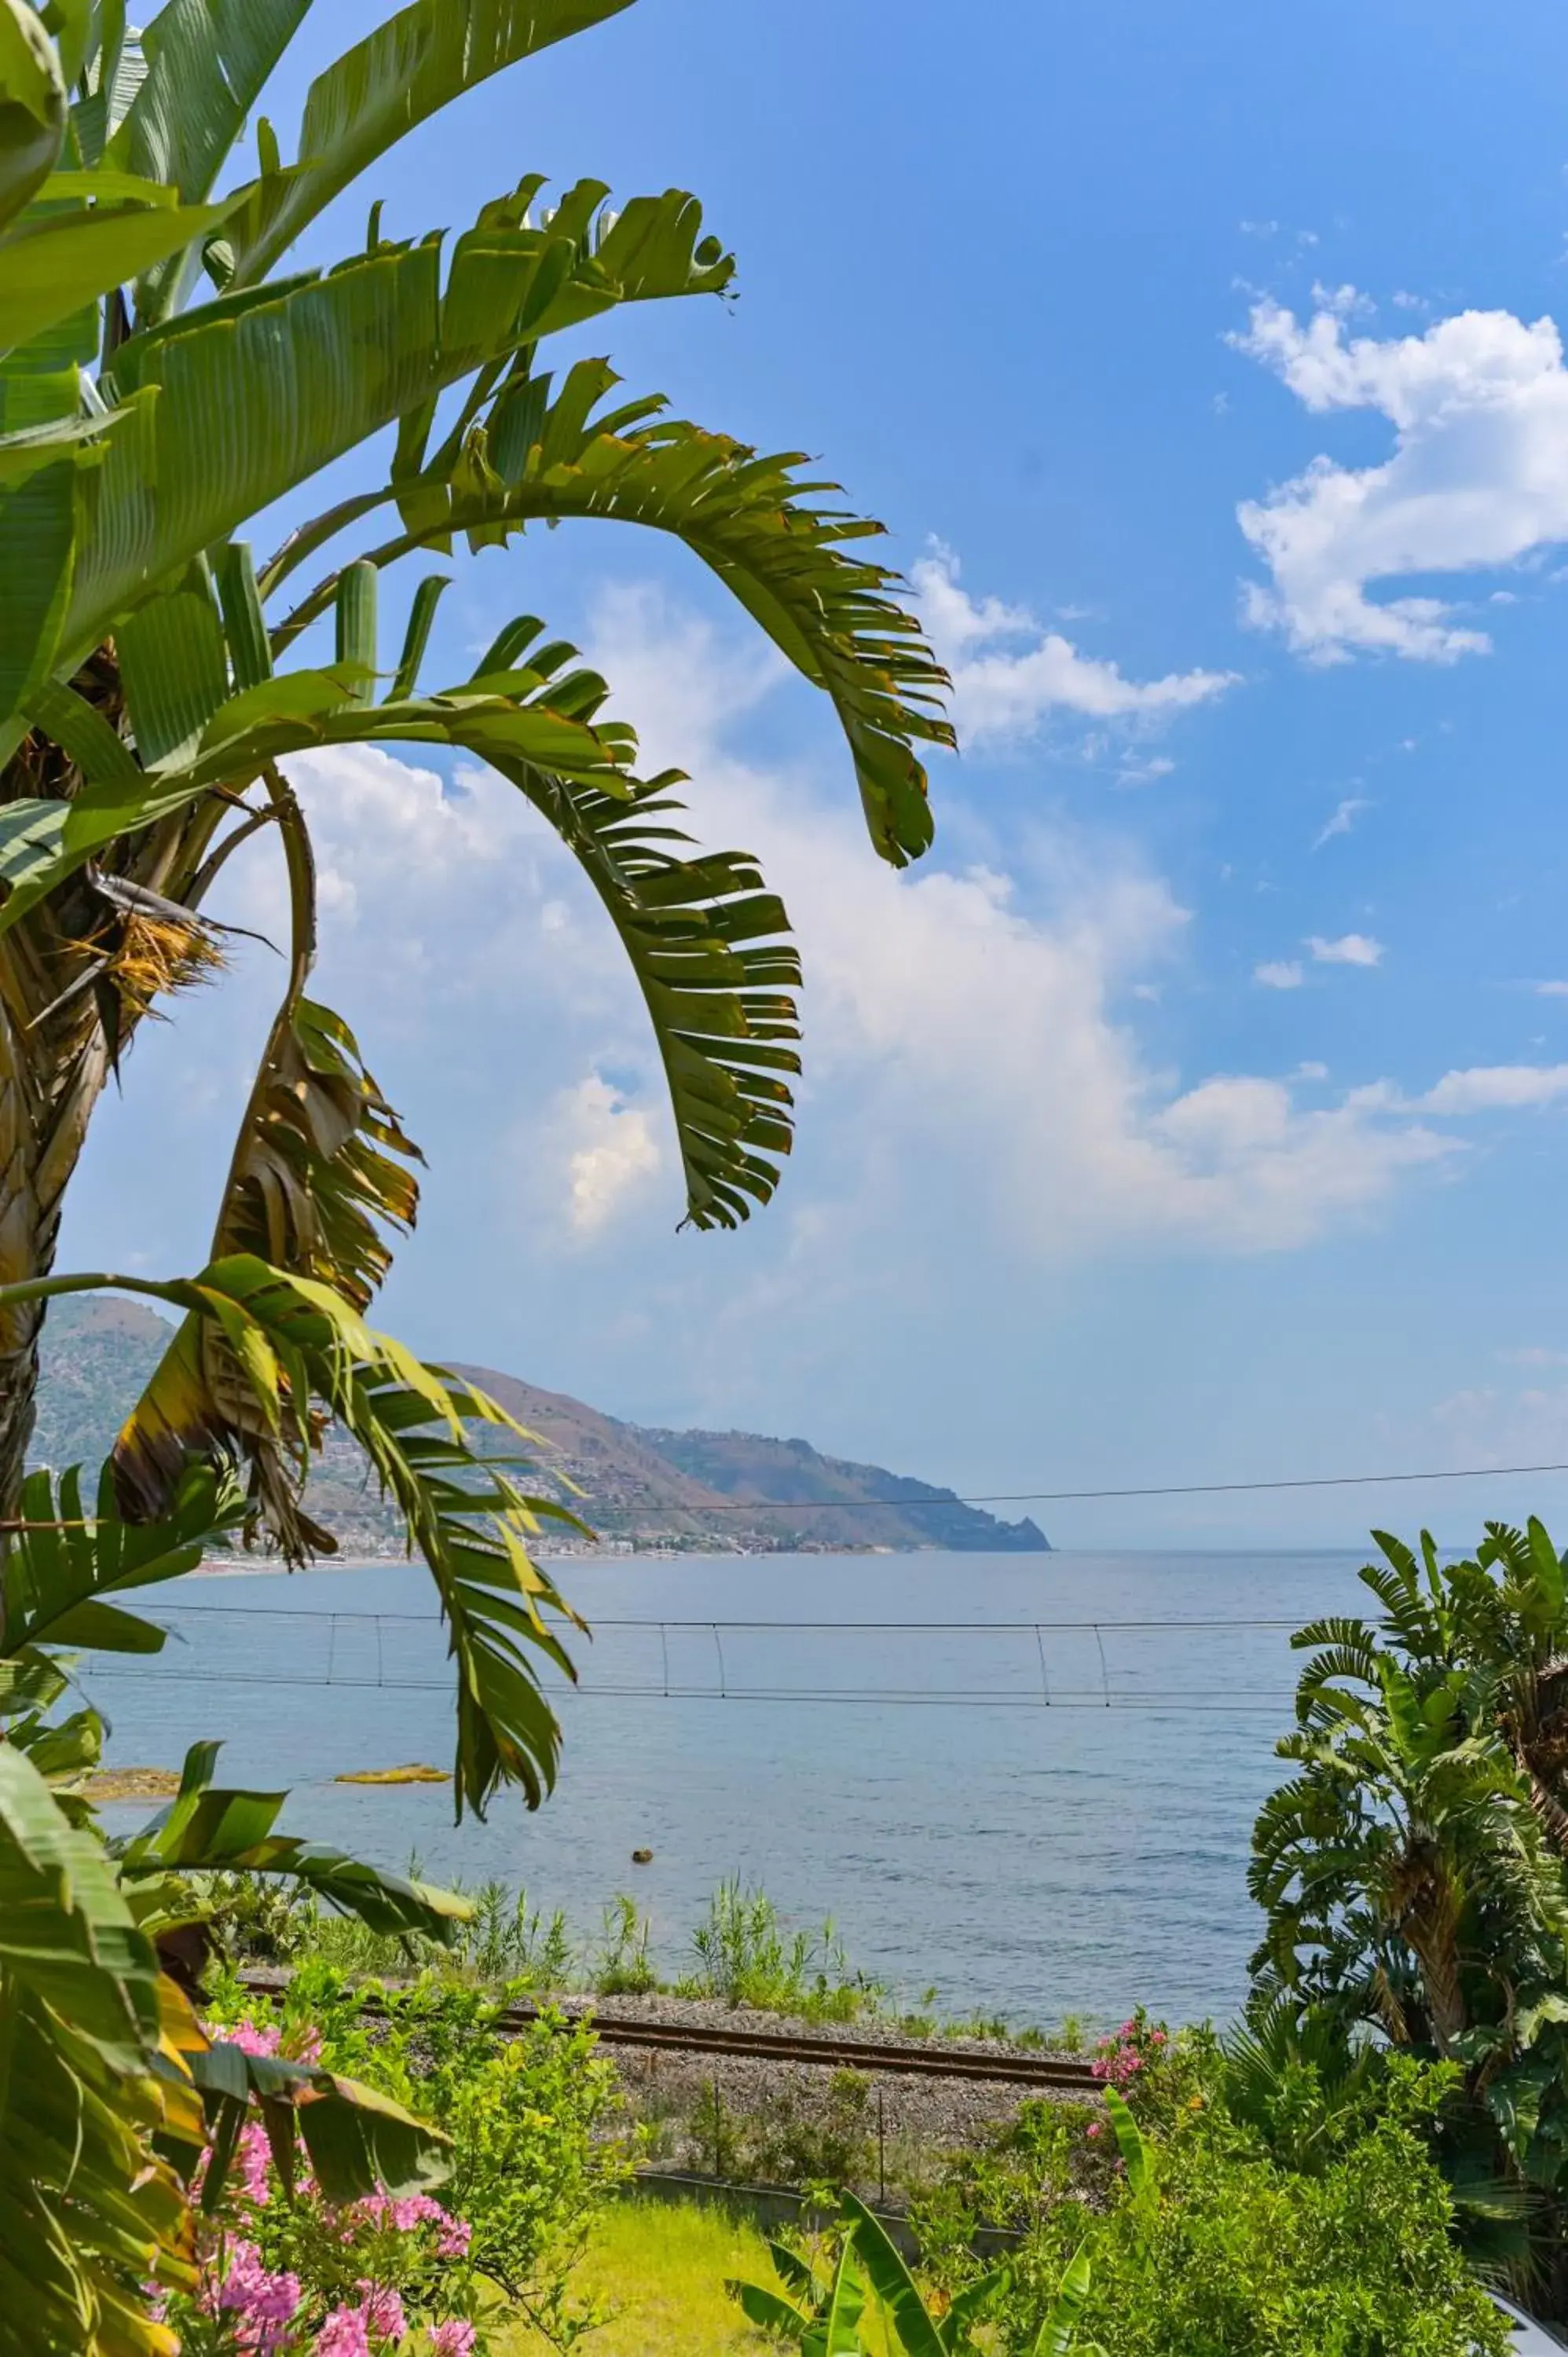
x: 881, y: 2149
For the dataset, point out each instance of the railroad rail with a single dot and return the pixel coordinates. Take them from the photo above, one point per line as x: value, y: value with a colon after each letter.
x: 927, y: 2060
x: 918, y: 2057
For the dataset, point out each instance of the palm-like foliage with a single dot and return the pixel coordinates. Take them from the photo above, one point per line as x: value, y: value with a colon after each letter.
x: 1414, y: 1871
x: 822, y: 2312
x: 160, y: 385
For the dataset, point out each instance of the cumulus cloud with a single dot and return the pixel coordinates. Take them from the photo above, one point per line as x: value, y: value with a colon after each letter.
x: 1496, y: 1088
x: 1479, y: 1088
x: 979, y: 1023
x: 1350, y: 949
x: 1279, y: 973
x: 610, y: 1149
x: 1010, y: 673
x: 1478, y: 476
x: 974, y: 1033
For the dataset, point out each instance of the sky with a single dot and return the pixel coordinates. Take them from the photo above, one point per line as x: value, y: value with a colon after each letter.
x: 1197, y: 1110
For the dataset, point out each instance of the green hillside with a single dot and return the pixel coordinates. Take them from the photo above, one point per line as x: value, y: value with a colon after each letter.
x: 645, y: 1488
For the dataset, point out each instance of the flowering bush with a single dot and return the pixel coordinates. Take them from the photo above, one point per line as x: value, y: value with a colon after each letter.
x: 1119, y: 2059
x: 283, y: 2273
x: 535, y: 2151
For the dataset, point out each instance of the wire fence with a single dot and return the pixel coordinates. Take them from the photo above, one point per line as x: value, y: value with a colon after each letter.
x: 1241, y: 1665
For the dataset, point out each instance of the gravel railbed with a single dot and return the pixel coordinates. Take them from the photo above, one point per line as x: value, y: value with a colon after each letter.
x: 907, y: 2109
x: 713, y: 2013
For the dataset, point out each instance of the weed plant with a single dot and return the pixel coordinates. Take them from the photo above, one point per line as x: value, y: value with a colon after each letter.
x: 746, y: 1958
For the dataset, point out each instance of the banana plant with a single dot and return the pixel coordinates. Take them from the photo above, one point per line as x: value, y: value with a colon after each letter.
x: 167, y: 374
x: 824, y: 2314
x: 168, y: 385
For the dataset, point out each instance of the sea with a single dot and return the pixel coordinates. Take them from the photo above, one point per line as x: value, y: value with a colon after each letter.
x: 1018, y: 1785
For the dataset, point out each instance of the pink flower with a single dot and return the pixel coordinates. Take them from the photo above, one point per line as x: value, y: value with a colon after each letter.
x: 453, y: 2240
x: 1096, y: 2128
x: 453, y: 2339
x: 252, y: 2041
x: 265, y: 2303
x: 344, y: 2334
x: 383, y: 2312
x: 255, y: 2157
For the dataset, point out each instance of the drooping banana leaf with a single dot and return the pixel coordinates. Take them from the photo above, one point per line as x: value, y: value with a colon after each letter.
x: 543, y: 716
x: 297, y: 1354
x: 208, y: 1829
x: 704, y: 936
x: 760, y: 527
x: 357, y: 2141
x: 59, y: 1571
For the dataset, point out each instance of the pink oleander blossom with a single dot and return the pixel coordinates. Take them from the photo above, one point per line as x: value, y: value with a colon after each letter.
x: 252, y: 2041
x: 255, y: 2157
x: 345, y: 2333
x: 383, y: 2312
x: 453, y: 2339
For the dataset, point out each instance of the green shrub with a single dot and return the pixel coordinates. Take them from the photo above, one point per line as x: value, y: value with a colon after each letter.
x: 538, y: 2146
x: 745, y: 1957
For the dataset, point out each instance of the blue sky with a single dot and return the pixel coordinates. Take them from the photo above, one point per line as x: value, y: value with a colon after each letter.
x: 1197, y: 1110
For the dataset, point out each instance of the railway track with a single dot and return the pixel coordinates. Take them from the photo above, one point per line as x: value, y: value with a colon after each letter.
x: 918, y: 2059
x: 930, y: 2061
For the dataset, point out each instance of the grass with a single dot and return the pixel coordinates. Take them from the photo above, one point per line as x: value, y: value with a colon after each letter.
x: 660, y: 2272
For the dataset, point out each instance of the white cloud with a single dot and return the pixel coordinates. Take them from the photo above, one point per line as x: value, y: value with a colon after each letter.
x: 972, y: 1034
x: 1496, y: 1088
x: 1350, y: 949
x: 1478, y: 477
x: 1001, y: 693
x: 1550, y: 989
x: 1533, y: 1354
x: 1343, y: 820
x: 1312, y: 1071
x: 1479, y: 1088
x: 610, y: 1149
x: 1278, y: 973
x: 968, y: 1033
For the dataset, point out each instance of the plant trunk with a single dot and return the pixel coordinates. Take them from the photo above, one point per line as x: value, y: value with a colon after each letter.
x: 64, y: 1021
x: 49, y: 1084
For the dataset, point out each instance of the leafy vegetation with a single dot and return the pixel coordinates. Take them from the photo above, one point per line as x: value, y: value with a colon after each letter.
x: 159, y: 388
x: 1176, y: 2230
x: 535, y: 2149
x: 1414, y: 1874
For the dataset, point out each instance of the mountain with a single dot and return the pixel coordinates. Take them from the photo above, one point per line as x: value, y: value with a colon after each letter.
x: 646, y: 1485
x: 643, y: 1488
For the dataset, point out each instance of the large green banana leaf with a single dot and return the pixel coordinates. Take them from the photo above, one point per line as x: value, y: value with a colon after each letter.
x: 408, y: 68
x: 289, y: 1342
x: 227, y: 407
x: 87, y: 2212
x: 208, y: 1829
x: 760, y: 528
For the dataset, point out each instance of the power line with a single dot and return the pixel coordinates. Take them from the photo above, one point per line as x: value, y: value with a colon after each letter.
x: 1272, y: 1707
x: 1068, y: 1497
x: 819, y: 1627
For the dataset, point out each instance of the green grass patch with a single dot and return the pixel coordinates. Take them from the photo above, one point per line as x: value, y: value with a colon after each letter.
x: 657, y: 2270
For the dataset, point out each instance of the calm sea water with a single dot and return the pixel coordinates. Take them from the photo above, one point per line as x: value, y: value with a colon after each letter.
x: 1035, y: 1796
